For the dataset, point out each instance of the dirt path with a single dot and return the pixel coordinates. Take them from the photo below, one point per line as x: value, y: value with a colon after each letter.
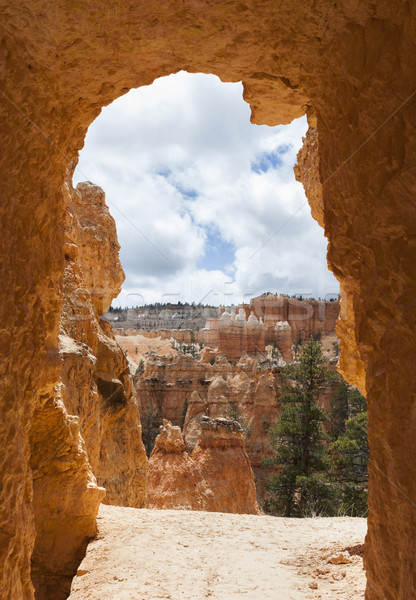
x: 181, y: 555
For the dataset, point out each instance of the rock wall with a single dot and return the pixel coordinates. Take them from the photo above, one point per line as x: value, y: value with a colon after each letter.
x: 168, y: 382
x: 105, y: 403
x: 248, y: 391
x: 59, y: 66
x: 249, y: 394
x: 237, y: 335
x: 66, y: 497
x: 216, y: 477
x: 89, y: 429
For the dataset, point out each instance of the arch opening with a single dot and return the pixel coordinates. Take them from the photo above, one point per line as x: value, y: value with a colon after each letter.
x: 264, y: 160
x: 205, y: 202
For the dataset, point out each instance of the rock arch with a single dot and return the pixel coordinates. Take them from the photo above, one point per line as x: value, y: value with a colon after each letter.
x: 351, y: 68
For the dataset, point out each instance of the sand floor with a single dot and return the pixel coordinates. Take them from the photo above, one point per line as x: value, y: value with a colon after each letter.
x: 142, y: 554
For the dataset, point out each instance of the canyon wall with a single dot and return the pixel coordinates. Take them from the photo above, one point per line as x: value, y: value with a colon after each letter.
x: 270, y: 320
x: 248, y: 391
x: 86, y: 437
x: 182, y: 389
x: 351, y: 68
x: 216, y: 477
x: 305, y: 317
x: 105, y: 403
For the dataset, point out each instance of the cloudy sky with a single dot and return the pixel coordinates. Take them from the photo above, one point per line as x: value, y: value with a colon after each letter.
x: 206, y: 204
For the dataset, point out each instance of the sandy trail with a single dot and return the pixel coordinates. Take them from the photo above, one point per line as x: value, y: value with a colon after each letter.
x: 183, y: 555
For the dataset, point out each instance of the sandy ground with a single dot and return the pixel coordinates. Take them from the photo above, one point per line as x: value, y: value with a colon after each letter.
x: 139, y: 347
x: 143, y: 554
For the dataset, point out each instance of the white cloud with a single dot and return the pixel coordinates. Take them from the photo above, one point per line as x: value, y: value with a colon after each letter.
x: 182, y: 168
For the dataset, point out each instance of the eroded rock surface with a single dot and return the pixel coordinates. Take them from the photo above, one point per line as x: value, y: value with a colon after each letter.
x: 99, y: 389
x: 248, y: 391
x: 216, y: 477
x: 89, y: 429
x: 270, y: 320
x: 351, y: 67
x: 182, y: 389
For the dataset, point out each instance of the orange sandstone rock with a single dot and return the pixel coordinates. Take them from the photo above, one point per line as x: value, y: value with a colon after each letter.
x: 247, y: 390
x: 99, y: 389
x: 273, y: 320
x: 90, y: 427
x: 221, y: 456
x: 66, y: 498
x: 334, y: 61
x: 174, y: 480
x: 217, y: 476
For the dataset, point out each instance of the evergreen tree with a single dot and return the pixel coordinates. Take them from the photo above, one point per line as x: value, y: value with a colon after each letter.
x: 150, y: 422
x: 301, y: 487
x: 140, y: 369
x: 350, y: 455
x: 184, y: 411
x: 346, y: 403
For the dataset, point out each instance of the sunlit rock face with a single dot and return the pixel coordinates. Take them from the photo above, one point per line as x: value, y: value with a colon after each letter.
x: 351, y: 68
x: 105, y: 403
x: 236, y: 334
x: 89, y: 429
x: 216, y: 477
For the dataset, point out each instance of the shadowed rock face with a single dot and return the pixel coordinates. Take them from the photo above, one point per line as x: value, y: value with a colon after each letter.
x: 351, y: 68
x: 216, y: 477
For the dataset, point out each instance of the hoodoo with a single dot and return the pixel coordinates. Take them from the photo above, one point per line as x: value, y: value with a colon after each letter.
x: 216, y: 477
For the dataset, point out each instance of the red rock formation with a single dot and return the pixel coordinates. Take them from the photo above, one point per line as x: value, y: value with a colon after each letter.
x: 175, y: 481
x: 283, y: 339
x: 168, y: 382
x: 334, y: 61
x: 305, y: 317
x: 249, y: 395
x: 217, y: 477
x: 269, y: 320
x: 236, y: 335
x: 197, y: 407
x: 249, y: 390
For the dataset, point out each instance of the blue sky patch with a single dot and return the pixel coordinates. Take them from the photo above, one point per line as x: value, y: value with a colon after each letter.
x: 218, y: 252
x: 270, y: 160
x: 163, y: 172
x: 188, y: 193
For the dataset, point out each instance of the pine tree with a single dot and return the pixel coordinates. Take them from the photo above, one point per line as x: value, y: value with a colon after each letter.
x: 350, y: 455
x: 301, y: 487
x: 150, y: 421
x: 184, y: 411
x: 346, y: 403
